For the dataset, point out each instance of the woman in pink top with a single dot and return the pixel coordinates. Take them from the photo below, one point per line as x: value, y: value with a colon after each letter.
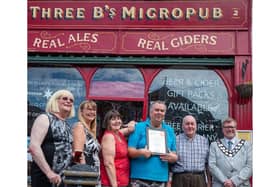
x: 114, y: 159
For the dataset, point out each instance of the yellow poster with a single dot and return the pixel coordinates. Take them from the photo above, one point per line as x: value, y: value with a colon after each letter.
x: 245, y: 134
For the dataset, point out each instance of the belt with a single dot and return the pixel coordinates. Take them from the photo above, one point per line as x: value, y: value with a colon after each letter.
x: 147, y: 182
x: 191, y: 172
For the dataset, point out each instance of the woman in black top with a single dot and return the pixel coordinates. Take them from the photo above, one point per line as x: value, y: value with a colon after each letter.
x: 50, y: 141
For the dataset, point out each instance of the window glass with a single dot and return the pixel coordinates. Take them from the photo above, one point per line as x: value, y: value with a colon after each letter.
x: 117, y: 82
x: 200, y: 93
x: 44, y: 81
x: 129, y: 110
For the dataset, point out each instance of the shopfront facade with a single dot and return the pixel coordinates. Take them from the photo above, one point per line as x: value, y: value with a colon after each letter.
x: 125, y: 54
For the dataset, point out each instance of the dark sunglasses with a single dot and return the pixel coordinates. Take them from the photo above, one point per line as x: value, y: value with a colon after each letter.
x: 67, y: 99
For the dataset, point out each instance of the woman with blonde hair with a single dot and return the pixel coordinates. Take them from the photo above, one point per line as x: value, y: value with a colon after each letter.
x: 86, y: 147
x: 85, y: 144
x: 51, y: 139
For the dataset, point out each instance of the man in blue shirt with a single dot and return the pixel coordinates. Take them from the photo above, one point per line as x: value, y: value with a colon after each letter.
x: 146, y: 168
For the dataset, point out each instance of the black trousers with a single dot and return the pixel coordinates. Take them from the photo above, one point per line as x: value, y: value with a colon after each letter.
x: 188, y: 180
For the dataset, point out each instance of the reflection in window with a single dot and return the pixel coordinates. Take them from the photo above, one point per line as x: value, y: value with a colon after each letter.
x: 200, y: 93
x: 117, y: 82
x: 44, y: 81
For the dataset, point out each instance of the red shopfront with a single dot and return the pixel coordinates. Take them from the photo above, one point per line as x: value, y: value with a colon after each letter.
x: 124, y: 54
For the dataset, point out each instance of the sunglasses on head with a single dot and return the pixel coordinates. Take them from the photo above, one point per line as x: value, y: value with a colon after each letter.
x: 67, y: 99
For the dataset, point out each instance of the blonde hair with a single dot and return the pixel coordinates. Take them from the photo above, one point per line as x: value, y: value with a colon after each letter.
x: 84, y: 104
x: 52, y: 105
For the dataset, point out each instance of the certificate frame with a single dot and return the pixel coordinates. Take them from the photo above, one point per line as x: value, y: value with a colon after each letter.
x: 156, y: 141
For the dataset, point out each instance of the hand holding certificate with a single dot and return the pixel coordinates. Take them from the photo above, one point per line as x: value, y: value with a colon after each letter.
x: 157, y: 141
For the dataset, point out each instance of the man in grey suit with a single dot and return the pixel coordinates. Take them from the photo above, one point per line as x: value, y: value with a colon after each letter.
x: 230, y: 159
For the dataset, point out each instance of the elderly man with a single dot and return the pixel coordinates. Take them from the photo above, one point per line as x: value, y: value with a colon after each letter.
x: 192, y: 150
x: 230, y: 159
x: 148, y: 169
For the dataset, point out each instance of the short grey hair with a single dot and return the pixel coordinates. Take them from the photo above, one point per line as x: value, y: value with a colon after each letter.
x: 229, y: 120
x: 152, y: 103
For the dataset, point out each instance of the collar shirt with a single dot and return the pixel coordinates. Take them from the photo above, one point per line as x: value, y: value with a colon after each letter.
x: 233, y: 140
x: 192, y: 153
x: 158, y: 169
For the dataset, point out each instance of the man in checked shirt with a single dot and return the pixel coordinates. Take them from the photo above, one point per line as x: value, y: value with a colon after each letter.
x: 192, y: 150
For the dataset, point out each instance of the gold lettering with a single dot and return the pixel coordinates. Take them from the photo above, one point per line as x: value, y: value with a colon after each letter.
x: 217, y: 13
x: 80, y: 13
x: 163, y: 13
x: 97, y: 13
x: 130, y: 13
x: 203, y: 14
x: 46, y: 13
x: 58, y: 13
x: 190, y: 12
x: 151, y: 13
x: 69, y: 13
x: 177, y: 13
x: 141, y: 13
x: 34, y: 10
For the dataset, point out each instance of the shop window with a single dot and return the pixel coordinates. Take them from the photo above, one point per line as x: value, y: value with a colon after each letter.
x: 43, y: 81
x: 200, y: 93
x: 117, y: 82
x: 129, y: 110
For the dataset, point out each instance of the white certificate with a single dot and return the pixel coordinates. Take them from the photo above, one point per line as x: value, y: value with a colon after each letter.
x: 156, y: 139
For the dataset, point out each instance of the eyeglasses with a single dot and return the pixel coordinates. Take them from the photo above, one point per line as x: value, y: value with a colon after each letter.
x: 229, y: 127
x: 67, y: 99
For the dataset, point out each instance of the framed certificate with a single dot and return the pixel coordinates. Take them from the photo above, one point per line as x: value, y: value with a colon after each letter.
x: 156, y: 139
